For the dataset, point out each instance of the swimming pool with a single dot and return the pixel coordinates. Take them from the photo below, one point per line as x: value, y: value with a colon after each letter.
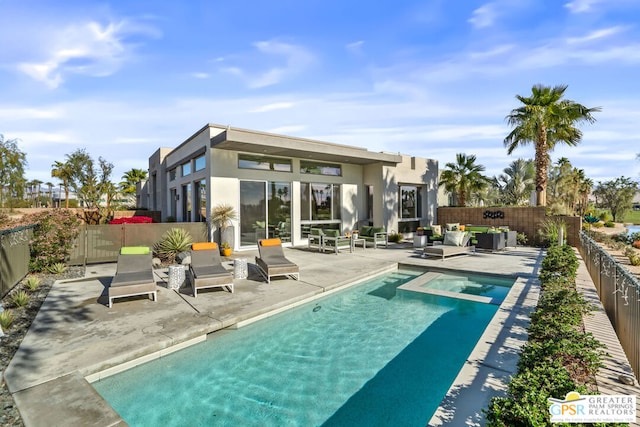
x: 366, y: 355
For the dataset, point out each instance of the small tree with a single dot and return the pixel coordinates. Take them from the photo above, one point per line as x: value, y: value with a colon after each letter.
x: 616, y: 195
x: 12, y: 165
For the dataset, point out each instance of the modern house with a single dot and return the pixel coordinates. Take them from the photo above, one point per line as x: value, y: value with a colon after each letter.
x: 282, y: 186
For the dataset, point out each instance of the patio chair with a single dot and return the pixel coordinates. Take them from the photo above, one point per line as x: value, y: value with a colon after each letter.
x: 316, y: 239
x: 134, y: 274
x: 272, y: 262
x: 335, y: 242
x: 206, y: 268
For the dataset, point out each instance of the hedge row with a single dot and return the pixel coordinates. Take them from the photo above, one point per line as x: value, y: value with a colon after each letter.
x: 559, y: 356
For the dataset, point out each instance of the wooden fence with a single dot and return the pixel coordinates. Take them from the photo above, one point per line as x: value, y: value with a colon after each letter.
x: 14, y: 257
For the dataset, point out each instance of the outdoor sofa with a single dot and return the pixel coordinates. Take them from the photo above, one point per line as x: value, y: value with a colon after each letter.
x: 206, y: 268
x: 271, y: 261
x: 134, y: 274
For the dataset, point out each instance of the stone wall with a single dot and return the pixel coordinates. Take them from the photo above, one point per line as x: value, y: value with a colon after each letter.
x: 525, y: 220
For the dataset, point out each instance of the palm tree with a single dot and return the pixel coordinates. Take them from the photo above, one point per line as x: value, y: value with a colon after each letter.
x: 64, y: 172
x: 517, y: 182
x: 130, y: 179
x: 50, y: 187
x: 544, y: 120
x: 463, y: 177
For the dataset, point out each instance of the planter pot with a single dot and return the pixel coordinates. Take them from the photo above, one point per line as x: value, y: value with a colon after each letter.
x: 226, y: 234
x: 226, y: 252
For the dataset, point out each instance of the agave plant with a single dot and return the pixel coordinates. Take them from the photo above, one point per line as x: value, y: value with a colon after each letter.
x: 32, y: 283
x: 6, y: 319
x: 173, y: 242
x: 20, y: 298
x: 57, y: 268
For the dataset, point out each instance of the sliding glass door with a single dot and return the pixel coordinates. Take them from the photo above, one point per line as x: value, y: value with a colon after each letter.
x: 265, y: 211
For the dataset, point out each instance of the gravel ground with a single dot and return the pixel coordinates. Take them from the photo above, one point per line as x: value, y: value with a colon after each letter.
x: 13, y: 335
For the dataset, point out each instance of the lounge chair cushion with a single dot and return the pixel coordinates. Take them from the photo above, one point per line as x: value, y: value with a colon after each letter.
x: 134, y: 250
x: 375, y: 230
x: 270, y: 242
x: 203, y: 246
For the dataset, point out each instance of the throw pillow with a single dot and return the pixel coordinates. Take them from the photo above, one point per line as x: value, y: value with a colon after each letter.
x: 437, y: 230
x: 365, y: 230
x: 453, y: 238
x: 454, y: 226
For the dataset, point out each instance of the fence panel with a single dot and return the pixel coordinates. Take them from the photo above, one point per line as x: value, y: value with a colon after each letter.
x: 14, y: 257
x: 619, y: 292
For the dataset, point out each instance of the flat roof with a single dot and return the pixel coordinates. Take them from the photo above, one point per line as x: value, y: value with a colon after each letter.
x: 280, y: 145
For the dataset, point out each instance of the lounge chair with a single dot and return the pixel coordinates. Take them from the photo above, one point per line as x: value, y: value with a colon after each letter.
x: 272, y: 262
x: 206, y: 268
x: 454, y: 243
x: 134, y: 274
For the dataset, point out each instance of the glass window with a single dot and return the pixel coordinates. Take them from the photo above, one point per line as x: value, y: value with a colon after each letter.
x: 199, y: 163
x: 246, y: 161
x: 172, y: 174
x: 316, y: 168
x: 369, y: 201
x: 279, y: 210
x: 186, y: 203
x: 186, y: 169
x: 201, y: 202
x: 408, y: 201
x: 319, y: 202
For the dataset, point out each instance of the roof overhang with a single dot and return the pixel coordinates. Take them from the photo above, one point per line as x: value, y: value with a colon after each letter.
x: 279, y: 145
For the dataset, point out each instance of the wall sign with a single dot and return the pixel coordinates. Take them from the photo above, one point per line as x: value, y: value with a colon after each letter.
x: 493, y: 214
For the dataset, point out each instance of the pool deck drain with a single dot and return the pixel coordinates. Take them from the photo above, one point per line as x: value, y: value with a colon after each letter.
x: 76, y: 336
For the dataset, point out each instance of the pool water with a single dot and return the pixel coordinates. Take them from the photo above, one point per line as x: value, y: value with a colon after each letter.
x: 493, y: 287
x: 364, y: 356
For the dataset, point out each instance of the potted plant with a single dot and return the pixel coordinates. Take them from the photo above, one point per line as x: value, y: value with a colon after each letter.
x: 221, y: 217
x: 225, y: 249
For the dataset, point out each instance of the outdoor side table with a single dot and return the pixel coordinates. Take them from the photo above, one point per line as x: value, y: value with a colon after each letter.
x: 240, y: 268
x: 356, y: 240
x: 176, y: 276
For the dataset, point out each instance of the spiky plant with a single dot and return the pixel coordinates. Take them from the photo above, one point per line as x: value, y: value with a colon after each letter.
x: 20, y: 298
x: 32, y: 283
x: 57, y: 268
x: 222, y: 215
x: 173, y: 242
x: 6, y: 319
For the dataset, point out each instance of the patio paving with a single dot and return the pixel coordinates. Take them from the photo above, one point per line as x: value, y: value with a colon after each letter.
x: 76, y: 339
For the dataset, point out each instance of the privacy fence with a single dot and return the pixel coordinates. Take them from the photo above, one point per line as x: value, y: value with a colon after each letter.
x: 14, y: 257
x: 95, y: 243
x: 619, y: 292
x: 101, y: 243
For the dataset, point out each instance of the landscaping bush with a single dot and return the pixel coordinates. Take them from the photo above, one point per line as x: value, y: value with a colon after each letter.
x: 173, y: 242
x: 559, y: 357
x: 395, y: 237
x: 132, y: 220
x: 53, y: 237
x: 610, y: 224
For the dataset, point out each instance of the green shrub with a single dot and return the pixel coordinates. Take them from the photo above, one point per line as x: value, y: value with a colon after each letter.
x: 57, y: 268
x: 610, y: 224
x: 53, y: 237
x: 559, y: 357
x: 173, y: 242
x: 522, y: 239
x: 597, y: 225
x: 395, y: 237
x: 32, y: 283
x: 633, y: 255
x: 550, y: 230
x: 6, y: 319
x: 20, y: 298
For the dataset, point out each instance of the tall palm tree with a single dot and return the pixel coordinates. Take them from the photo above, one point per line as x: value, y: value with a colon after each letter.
x: 463, y: 177
x: 545, y: 119
x: 50, y: 190
x: 64, y: 172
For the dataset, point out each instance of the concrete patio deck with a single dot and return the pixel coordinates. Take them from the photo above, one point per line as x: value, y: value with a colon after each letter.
x: 76, y: 339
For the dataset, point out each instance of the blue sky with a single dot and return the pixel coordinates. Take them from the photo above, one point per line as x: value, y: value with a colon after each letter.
x: 429, y: 78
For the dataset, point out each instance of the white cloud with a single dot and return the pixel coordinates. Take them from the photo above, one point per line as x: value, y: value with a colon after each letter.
x: 25, y: 113
x: 355, y: 47
x: 286, y: 59
x: 202, y: 76
x: 88, y: 48
x: 272, y: 107
x: 484, y: 16
x: 581, y: 6
x: 595, y: 35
